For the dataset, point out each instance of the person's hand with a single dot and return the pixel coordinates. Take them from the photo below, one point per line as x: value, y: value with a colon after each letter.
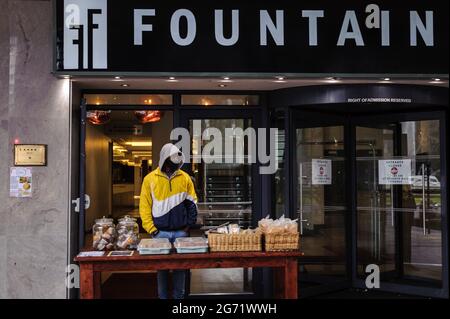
x: 154, y: 233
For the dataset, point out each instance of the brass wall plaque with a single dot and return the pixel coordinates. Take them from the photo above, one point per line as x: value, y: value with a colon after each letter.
x: 30, y: 155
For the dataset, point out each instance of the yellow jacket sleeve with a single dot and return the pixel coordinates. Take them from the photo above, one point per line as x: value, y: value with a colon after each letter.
x: 145, y: 207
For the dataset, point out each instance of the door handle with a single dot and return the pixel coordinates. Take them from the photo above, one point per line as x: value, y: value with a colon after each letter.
x: 424, y: 210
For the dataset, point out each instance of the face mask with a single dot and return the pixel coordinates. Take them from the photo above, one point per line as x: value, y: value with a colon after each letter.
x: 170, y: 167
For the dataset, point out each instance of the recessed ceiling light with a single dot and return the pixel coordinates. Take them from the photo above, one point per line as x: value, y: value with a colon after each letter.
x: 226, y: 78
x: 386, y: 79
x: 436, y: 79
x: 222, y: 85
x: 280, y: 78
x: 125, y: 85
x: 117, y: 77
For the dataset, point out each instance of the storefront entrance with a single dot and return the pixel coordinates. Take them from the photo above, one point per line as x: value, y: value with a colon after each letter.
x: 371, y: 194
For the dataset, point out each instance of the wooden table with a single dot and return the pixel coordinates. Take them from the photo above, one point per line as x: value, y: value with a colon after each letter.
x: 284, y: 265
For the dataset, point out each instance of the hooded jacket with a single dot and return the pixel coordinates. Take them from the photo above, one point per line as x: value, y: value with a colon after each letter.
x: 167, y: 203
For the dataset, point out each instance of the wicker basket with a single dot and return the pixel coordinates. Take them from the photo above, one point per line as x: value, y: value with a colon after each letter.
x: 284, y: 241
x: 235, y: 242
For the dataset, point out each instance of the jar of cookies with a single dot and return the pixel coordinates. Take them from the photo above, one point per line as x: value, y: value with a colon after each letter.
x: 128, y: 233
x: 104, y: 234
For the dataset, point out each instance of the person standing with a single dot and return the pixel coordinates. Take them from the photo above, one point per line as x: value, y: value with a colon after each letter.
x: 168, y: 209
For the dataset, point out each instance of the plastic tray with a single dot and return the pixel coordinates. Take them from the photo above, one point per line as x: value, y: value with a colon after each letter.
x: 192, y: 250
x: 154, y: 246
x: 155, y: 251
x: 186, y: 245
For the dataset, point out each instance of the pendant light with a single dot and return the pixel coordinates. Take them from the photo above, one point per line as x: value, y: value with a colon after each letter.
x: 148, y: 116
x: 98, y: 117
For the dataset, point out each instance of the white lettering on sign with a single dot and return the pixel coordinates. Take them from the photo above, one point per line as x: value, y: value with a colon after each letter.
x: 276, y: 29
x: 312, y: 16
x: 394, y: 172
x: 220, y: 37
x: 350, y: 21
x: 378, y: 100
x: 85, y: 34
x: 139, y: 26
x: 321, y: 171
x: 426, y: 31
x: 175, y: 27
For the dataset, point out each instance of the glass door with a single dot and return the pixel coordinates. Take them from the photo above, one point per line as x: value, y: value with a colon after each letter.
x: 225, y: 180
x: 400, y: 201
x: 321, y: 199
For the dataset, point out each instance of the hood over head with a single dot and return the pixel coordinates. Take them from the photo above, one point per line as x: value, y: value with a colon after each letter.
x: 171, y: 151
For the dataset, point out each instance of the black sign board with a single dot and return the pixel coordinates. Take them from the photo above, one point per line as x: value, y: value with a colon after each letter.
x: 311, y: 37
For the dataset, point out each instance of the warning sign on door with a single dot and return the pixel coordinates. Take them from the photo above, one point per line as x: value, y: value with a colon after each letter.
x: 394, y: 172
x: 321, y: 171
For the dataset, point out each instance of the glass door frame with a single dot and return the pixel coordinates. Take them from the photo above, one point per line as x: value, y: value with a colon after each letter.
x: 370, y: 120
x: 310, y: 119
x: 233, y: 112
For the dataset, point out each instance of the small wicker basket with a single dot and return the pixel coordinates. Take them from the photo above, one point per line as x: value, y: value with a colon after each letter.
x: 281, y: 241
x: 235, y: 242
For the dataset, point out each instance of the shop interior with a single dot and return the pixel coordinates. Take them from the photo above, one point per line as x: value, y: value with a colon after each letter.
x: 122, y: 147
x: 125, y: 131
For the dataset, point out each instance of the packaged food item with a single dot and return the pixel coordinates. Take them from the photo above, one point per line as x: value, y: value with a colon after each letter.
x: 152, y: 246
x: 104, y: 234
x: 128, y: 233
x: 279, y: 226
x: 191, y: 245
x: 222, y: 230
x: 233, y: 229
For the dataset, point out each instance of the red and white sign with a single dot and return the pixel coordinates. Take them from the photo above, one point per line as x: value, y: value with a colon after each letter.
x: 394, y: 172
x: 321, y: 171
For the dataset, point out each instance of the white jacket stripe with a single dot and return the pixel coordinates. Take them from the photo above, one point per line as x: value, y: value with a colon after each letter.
x: 162, y: 207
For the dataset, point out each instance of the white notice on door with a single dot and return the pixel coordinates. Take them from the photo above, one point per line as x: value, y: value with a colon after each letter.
x: 321, y: 171
x: 394, y: 172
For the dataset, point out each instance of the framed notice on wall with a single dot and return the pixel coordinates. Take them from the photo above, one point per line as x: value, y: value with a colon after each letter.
x: 30, y: 155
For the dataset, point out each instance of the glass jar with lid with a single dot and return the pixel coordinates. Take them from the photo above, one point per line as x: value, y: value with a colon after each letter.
x: 104, y: 234
x: 128, y: 233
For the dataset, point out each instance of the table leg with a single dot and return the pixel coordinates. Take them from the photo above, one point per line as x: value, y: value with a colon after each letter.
x: 87, y: 281
x: 278, y: 282
x: 97, y: 285
x: 291, y: 279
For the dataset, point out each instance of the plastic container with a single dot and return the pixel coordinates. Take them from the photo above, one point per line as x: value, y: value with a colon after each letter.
x: 104, y: 234
x: 186, y: 245
x: 127, y: 233
x: 154, y: 246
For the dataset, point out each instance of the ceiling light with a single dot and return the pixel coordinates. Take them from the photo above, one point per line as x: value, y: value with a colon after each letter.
x: 66, y: 76
x: 436, y: 79
x: 139, y: 144
x: 171, y: 78
x: 117, y: 77
x: 226, y: 78
x: 386, y: 79
x: 125, y: 85
x: 332, y: 79
x: 222, y: 85
x: 280, y: 78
